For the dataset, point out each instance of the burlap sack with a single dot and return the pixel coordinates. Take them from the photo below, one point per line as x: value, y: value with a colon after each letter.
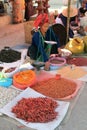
x: 28, y: 26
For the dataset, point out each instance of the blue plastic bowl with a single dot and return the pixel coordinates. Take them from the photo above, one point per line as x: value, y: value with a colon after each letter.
x: 6, y: 82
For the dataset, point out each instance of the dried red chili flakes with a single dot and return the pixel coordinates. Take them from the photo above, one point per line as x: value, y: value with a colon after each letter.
x: 54, y: 88
x: 36, y: 109
x: 79, y: 61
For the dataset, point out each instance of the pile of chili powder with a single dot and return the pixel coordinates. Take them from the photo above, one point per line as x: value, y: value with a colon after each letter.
x: 40, y: 109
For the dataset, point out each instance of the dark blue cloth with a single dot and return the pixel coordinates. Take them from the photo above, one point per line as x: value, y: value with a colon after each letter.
x: 51, y: 36
x: 64, y: 20
x: 37, y: 40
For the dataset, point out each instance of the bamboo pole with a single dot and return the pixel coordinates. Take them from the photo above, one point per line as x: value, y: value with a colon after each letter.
x: 68, y: 20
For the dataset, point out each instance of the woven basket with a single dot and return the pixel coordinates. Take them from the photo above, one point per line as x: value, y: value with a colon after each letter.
x: 27, y: 30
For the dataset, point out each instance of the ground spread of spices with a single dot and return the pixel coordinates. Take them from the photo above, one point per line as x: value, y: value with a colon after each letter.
x: 72, y: 72
x: 7, y: 94
x: 40, y: 109
x: 78, y: 61
x: 57, y: 88
x: 9, y: 55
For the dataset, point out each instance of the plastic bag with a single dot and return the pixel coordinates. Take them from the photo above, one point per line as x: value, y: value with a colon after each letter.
x: 75, y: 45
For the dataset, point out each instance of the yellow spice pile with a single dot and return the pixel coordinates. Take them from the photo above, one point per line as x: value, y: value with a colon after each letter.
x: 72, y: 72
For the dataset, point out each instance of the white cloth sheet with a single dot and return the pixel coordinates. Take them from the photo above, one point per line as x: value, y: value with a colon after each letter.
x: 61, y: 109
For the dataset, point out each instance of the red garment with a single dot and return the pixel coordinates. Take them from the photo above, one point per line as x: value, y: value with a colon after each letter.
x: 17, y: 11
x: 41, y: 19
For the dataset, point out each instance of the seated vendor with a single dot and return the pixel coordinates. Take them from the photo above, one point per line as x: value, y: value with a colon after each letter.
x: 63, y: 18
x: 82, y: 14
x: 83, y: 8
x: 39, y: 49
x: 83, y: 23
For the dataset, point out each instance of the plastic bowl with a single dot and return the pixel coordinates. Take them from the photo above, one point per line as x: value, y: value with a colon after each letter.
x: 56, y: 62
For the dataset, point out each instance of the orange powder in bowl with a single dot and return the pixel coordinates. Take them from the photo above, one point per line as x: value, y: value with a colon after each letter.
x: 24, y: 79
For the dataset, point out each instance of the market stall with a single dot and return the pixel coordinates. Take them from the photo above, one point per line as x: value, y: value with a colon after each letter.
x: 60, y: 89
x: 45, y: 79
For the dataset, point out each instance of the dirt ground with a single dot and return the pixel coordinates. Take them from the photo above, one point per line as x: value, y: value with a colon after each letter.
x: 12, y: 35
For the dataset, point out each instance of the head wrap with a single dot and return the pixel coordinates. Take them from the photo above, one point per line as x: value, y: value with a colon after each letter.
x: 40, y: 20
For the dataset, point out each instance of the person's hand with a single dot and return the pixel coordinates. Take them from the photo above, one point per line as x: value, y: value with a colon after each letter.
x: 59, y: 51
x: 64, y: 52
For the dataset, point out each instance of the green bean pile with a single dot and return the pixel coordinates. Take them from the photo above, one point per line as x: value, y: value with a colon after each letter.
x: 9, y: 55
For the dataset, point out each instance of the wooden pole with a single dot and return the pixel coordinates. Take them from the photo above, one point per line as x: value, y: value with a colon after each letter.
x: 68, y: 19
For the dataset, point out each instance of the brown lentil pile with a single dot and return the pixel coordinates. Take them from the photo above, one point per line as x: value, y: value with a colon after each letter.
x: 57, y: 88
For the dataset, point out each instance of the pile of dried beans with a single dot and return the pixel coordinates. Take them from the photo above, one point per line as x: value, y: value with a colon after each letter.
x: 78, y: 61
x: 40, y: 109
x: 56, y: 88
